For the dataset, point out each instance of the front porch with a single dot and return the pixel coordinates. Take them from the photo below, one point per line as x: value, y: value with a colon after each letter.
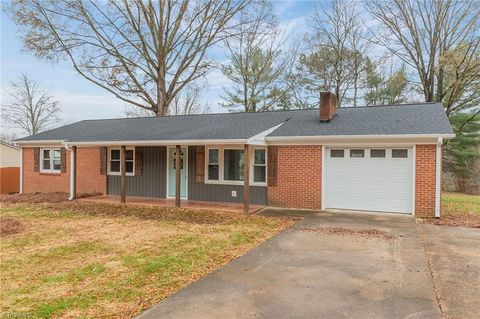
x: 166, y: 202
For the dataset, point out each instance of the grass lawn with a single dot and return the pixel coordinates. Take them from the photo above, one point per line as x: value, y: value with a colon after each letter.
x: 458, y: 203
x: 98, y: 260
x: 459, y: 210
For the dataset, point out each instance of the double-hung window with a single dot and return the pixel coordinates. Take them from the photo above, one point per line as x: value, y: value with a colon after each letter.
x: 114, y: 161
x: 225, y: 165
x: 259, y: 166
x: 213, y: 164
x: 51, y: 159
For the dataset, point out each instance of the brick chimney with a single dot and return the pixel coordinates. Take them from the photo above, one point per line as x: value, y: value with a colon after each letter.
x: 328, y: 106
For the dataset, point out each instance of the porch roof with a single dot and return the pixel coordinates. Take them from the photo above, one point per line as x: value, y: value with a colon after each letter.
x: 391, y: 120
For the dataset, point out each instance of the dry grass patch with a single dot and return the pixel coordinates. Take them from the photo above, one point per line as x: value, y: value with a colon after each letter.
x: 94, y: 260
x: 459, y: 210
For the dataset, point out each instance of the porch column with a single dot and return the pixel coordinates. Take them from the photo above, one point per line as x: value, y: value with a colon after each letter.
x: 73, y: 173
x: 178, y: 151
x: 246, y: 179
x: 122, y: 173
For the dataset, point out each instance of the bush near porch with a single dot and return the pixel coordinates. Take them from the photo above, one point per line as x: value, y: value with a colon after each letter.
x: 99, y: 260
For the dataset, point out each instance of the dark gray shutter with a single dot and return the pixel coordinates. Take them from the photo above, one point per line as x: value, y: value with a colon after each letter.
x: 63, y: 160
x: 36, y: 159
x: 200, y: 164
x: 103, y: 160
x: 138, y: 161
x: 272, y: 165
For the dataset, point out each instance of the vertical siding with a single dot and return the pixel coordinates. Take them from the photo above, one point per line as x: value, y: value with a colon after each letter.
x: 220, y: 193
x: 9, y: 180
x: 152, y: 183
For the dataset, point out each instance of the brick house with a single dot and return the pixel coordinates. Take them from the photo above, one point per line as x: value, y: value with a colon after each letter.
x: 376, y: 158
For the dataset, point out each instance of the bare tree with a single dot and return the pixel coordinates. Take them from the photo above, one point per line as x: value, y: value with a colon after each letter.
x: 258, y: 58
x: 337, y: 51
x: 143, y: 52
x: 184, y: 103
x: 423, y: 34
x: 31, y: 109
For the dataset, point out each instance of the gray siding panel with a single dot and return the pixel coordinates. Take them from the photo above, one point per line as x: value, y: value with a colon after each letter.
x: 220, y: 193
x: 152, y: 183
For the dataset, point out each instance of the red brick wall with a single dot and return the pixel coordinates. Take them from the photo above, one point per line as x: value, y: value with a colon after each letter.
x: 89, y: 179
x: 34, y: 182
x: 425, y: 176
x: 299, y: 178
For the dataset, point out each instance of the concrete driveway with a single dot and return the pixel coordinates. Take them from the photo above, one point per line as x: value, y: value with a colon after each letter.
x: 454, y: 255
x: 307, y: 271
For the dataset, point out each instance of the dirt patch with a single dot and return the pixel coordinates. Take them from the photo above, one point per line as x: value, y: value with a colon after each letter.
x: 364, y: 233
x: 34, y: 198
x: 469, y: 220
x: 10, y: 226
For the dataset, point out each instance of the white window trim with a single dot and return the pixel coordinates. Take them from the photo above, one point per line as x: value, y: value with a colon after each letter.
x: 110, y: 149
x: 221, y: 179
x: 51, y: 170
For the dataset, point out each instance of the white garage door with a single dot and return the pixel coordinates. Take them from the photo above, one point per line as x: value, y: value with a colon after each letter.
x: 371, y: 179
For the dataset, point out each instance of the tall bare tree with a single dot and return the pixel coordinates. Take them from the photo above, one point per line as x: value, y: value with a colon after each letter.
x: 185, y: 103
x: 423, y: 34
x: 142, y: 51
x: 338, y: 47
x: 31, y: 109
x: 258, y: 58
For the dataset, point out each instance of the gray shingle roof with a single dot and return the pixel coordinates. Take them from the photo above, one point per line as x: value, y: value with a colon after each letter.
x: 425, y: 118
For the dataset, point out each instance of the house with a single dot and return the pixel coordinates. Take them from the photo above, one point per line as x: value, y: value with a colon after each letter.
x: 10, y: 160
x: 376, y: 158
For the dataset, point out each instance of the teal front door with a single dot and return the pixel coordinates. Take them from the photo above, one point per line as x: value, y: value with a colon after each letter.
x: 183, y: 172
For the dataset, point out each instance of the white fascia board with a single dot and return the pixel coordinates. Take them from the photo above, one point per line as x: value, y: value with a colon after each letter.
x: 350, y: 139
x: 259, y: 139
x: 160, y: 142
x: 39, y: 142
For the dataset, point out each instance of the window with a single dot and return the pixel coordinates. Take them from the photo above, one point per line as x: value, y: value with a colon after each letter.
x: 337, y: 153
x: 114, y: 162
x: 213, y: 165
x: 259, y: 166
x: 377, y: 153
x: 399, y: 153
x: 357, y: 153
x: 51, y: 159
x: 225, y: 165
x: 233, y: 165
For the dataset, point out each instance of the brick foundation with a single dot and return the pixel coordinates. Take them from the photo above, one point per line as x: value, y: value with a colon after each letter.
x: 299, y: 178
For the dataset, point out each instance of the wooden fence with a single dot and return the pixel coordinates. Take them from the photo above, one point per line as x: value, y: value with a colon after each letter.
x: 9, y: 180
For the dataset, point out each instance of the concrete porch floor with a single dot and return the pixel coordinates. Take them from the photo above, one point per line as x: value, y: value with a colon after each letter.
x: 167, y: 202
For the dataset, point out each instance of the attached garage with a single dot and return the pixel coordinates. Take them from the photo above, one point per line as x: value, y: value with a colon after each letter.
x: 371, y: 179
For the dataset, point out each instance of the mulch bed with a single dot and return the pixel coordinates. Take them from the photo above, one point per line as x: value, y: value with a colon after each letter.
x: 456, y: 220
x: 10, y: 226
x: 58, y: 202
x: 34, y: 198
x: 364, y: 233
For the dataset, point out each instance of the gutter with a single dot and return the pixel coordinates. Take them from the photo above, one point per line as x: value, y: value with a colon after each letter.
x: 438, y: 177
x: 72, y: 172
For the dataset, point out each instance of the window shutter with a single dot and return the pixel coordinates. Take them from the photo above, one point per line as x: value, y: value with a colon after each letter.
x: 138, y: 161
x: 272, y: 165
x: 63, y: 160
x: 103, y: 161
x: 200, y: 164
x: 36, y: 159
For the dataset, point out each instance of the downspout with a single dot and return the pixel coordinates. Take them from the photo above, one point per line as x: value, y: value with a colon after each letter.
x: 21, y: 170
x: 72, y: 172
x: 438, y: 170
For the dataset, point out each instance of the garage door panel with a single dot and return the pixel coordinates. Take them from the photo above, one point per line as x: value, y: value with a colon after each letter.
x: 377, y: 184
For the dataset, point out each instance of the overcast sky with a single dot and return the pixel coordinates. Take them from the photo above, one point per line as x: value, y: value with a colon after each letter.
x: 82, y: 100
